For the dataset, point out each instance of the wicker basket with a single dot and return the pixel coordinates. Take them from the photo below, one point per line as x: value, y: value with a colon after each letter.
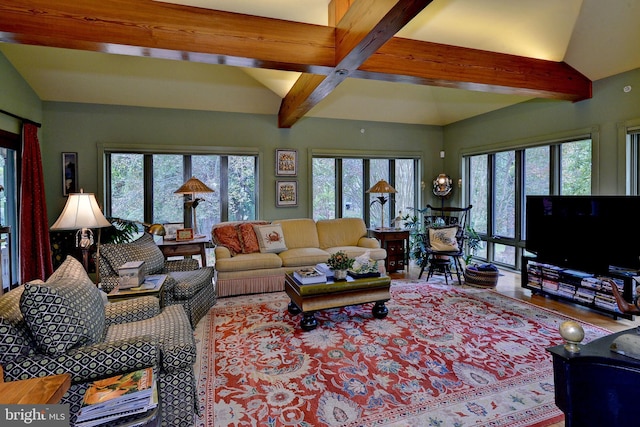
x: 481, y: 279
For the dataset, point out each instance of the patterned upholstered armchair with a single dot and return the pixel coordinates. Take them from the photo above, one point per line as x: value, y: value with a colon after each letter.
x: 187, y: 284
x: 63, y: 325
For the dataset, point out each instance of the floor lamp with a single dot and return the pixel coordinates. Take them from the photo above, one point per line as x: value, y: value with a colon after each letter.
x: 82, y: 213
x: 191, y: 187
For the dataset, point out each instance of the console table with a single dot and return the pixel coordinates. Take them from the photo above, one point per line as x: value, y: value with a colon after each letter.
x: 185, y: 248
x: 596, y: 387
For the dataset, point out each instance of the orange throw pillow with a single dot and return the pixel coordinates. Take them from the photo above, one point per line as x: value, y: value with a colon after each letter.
x: 227, y: 235
x: 248, y: 239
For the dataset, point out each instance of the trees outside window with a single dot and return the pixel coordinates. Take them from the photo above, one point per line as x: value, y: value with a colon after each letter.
x: 340, y: 185
x: 499, y: 182
x: 141, y: 187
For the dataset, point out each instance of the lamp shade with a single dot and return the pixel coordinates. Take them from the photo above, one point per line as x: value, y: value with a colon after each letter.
x: 382, y: 186
x: 193, y: 185
x: 157, y: 230
x: 81, y: 211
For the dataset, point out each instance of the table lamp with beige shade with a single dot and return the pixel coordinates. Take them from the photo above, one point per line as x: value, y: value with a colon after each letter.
x: 192, y: 187
x: 382, y: 187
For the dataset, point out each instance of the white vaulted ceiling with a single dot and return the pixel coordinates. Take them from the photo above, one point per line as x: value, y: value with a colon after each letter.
x: 598, y: 38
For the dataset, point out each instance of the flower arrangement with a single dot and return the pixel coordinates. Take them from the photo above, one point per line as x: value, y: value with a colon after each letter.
x: 340, y: 261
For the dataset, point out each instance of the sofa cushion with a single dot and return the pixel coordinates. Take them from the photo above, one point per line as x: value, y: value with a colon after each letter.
x: 171, y: 329
x: 249, y: 262
x: 303, y: 257
x: 15, y: 338
x: 299, y: 233
x: 271, y: 238
x: 66, y: 311
x: 227, y: 235
x: 142, y: 249
x: 248, y: 238
x: 340, y: 232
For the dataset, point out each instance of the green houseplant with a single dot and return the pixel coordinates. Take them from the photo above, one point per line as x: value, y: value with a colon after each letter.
x: 339, y: 262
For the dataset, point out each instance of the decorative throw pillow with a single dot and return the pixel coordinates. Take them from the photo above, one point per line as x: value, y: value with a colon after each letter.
x: 443, y: 239
x: 65, y: 311
x: 248, y: 238
x: 227, y: 235
x: 54, y: 318
x: 270, y: 238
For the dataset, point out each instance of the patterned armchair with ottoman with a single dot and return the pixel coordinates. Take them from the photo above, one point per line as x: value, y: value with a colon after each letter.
x: 63, y: 325
x: 187, y: 283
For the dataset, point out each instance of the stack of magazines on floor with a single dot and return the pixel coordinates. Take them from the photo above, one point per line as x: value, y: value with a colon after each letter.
x: 117, y: 397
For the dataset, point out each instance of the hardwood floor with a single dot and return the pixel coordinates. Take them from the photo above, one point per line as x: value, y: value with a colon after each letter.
x: 509, y: 284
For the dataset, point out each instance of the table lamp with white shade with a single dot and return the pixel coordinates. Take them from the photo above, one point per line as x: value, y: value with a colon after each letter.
x: 82, y: 213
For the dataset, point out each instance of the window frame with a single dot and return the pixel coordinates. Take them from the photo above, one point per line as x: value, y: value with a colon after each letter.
x: 105, y: 149
x: 553, y: 141
x: 391, y: 156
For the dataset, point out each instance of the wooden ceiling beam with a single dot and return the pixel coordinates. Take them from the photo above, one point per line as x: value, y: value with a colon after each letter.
x: 361, y: 46
x: 164, y: 30
x: 365, y: 27
x: 433, y: 64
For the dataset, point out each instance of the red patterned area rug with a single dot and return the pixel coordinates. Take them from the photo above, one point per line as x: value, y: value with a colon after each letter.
x: 445, y: 356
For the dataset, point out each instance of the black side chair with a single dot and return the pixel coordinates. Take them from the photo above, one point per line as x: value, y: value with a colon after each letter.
x: 444, y: 238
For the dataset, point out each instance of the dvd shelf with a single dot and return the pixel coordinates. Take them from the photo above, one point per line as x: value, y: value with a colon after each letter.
x: 579, y: 287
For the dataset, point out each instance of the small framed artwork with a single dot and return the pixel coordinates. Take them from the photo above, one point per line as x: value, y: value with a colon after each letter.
x: 171, y: 230
x: 184, y: 234
x: 286, y: 193
x: 69, y: 173
x: 286, y: 162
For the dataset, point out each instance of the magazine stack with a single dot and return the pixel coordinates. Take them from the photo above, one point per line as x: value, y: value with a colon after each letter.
x: 117, y: 397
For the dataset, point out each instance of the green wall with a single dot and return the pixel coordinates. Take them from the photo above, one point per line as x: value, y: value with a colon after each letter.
x: 81, y: 127
x: 16, y: 97
x: 609, y: 110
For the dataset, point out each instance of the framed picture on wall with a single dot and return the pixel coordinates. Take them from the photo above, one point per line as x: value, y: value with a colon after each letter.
x: 69, y: 173
x: 286, y: 162
x: 286, y: 193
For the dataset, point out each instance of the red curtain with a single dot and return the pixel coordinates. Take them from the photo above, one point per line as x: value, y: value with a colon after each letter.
x: 35, y: 246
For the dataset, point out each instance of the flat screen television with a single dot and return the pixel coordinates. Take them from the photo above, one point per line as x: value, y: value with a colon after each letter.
x: 588, y: 233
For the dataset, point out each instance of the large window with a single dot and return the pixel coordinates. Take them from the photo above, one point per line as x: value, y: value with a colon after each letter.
x: 141, y: 186
x: 499, y: 182
x: 9, y: 149
x: 340, y: 187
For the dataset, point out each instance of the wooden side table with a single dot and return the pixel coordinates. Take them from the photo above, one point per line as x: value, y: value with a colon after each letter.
x: 396, y: 242
x: 185, y: 248
x: 158, y: 280
x: 34, y: 391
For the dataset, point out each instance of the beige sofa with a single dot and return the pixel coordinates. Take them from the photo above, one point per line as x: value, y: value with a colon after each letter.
x: 307, y: 243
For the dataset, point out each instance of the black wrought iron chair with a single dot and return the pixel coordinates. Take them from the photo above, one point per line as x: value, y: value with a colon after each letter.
x: 444, y: 237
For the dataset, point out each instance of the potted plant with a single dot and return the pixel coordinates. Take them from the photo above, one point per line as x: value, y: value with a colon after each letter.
x: 339, y: 262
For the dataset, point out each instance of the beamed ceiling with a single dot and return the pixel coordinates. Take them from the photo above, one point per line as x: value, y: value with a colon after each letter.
x: 405, y: 61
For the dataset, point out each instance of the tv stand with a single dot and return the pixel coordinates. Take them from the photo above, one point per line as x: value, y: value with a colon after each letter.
x: 577, y: 286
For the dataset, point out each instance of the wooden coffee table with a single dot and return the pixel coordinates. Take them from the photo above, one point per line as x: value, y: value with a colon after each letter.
x: 307, y: 299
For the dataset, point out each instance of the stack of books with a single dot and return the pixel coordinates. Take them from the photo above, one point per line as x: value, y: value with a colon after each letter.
x: 307, y: 276
x: 117, y: 397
